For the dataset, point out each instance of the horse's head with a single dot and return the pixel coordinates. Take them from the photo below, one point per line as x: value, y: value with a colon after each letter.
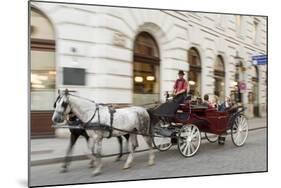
x: 62, y: 108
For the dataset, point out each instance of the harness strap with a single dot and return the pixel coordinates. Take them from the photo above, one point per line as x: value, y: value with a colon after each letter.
x: 111, y: 112
x: 97, y: 109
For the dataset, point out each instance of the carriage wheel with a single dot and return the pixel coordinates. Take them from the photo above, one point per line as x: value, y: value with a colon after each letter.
x: 160, y: 142
x: 189, y: 139
x: 212, y: 138
x: 239, y: 130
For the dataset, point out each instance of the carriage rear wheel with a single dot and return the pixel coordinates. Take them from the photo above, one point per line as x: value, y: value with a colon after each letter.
x: 162, y: 143
x: 212, y: 138
x: 239, y: 130
x: 189, y: 140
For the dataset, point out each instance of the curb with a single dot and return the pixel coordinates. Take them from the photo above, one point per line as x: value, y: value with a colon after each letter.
x: 84, y: 157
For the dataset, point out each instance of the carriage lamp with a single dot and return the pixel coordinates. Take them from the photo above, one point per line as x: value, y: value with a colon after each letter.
x: 138, y: 79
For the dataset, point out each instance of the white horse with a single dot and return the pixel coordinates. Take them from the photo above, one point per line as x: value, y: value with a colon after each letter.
x: 130, y: 119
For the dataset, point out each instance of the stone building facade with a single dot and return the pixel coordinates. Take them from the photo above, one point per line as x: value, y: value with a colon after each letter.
x: 119, y: 51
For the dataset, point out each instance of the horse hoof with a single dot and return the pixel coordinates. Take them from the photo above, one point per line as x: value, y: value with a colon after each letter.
x: 118, y: 159
x: 125, y: 167
x: 95, y: 173
x: 64, y: 170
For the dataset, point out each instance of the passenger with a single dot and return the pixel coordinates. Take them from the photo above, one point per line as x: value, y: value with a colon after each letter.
x: 199, y: 101
x: 206, y: 101
x: 225, y: 105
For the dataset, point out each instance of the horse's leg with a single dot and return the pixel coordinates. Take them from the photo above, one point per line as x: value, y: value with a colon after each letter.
x: 98, y: 161
x: 151, y: 158
x: 121, y: 146
x: 120, y: 141
x: 131, y: 148
x: 67, y: 159
x: 90, y: 155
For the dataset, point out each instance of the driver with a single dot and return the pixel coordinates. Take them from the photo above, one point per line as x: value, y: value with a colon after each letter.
x: 180, y: 87
x: 169, y: 108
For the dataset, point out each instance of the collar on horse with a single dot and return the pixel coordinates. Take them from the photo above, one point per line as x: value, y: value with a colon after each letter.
x: 99, y: 124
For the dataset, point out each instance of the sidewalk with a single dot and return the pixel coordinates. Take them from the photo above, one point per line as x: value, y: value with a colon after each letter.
x: 52, y: 150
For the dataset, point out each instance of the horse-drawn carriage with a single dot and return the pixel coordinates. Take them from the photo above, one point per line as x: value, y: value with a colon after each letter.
x: 184, y: 126
x: 189, y: 120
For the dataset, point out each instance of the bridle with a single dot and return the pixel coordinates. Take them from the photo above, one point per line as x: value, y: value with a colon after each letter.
x: 64, y: 104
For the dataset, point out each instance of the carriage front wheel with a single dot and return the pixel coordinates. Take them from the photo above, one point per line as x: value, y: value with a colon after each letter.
x: 162, y: 143
x: 239, y: 130
x: 189, y: 140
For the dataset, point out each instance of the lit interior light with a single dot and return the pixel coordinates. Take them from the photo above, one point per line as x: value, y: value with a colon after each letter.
x: 191, y: 82
x: 138, y: 79
x: 40, y: 86
x: 43, y: 77
x: 222, y: 83
x: 234, y: 83
x: 150, y: 78
x: 52, y: 72
x: 35, y: 79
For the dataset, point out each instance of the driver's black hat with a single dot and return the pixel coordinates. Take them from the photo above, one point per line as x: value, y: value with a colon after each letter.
x: 181, y: 72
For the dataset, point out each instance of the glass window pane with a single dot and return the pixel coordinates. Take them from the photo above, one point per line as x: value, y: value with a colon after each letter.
x: 40, y: 26
x: 219, y: 65
x: 43, y: 80
x: 41, y: 60
x: 146, y: 45
x: 146, y: 78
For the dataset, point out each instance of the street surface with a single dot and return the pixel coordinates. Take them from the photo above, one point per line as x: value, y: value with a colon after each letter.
x: 210, y: 159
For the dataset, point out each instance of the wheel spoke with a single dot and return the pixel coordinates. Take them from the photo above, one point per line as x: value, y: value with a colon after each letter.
x: 185, y: 148
x: 189, y: 149
x: 236, y: 139
x: 239, y: 138
x: 182, y: 145
x: 244, y: 126
x: 237, y: 135
x: 193, y: 129
x: 192, y: 147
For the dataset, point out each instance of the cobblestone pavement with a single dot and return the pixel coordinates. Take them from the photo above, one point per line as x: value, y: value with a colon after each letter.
x: 210, y: 159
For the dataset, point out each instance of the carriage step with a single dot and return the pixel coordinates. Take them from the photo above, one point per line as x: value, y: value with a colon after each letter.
x: 163, y: 131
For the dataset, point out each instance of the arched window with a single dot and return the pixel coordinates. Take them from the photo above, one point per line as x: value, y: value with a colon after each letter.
x: 43, y: 69
x: 194, y: 75
x: 43, y: 73
x: 219, y: 76
x: 146, y: 70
